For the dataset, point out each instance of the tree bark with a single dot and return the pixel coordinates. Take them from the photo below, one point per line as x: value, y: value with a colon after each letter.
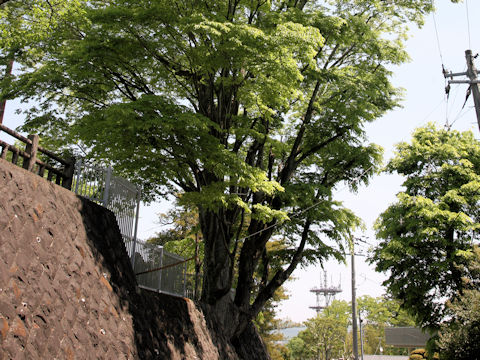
x: 217, y: 280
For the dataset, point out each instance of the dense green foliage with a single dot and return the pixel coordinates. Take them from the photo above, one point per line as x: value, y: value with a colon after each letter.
x: 459, y: 337
x: 251, y: 111
x: 427, y: 233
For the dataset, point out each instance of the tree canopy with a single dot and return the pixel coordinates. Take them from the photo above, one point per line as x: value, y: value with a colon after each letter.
x: 251, y: 111
x: 325, y: 336
x: 427, y: 233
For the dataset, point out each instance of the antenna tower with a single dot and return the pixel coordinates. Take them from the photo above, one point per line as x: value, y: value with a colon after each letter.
x: 326, y: 291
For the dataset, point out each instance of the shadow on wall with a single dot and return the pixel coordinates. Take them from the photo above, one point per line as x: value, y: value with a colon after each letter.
x: 163, y: 325
x: 67, y: 289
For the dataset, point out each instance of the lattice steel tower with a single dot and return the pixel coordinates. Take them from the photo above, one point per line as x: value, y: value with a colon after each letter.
x: 326, y: 291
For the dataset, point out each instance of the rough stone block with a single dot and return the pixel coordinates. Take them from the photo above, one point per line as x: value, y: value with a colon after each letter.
x: 54, y: 251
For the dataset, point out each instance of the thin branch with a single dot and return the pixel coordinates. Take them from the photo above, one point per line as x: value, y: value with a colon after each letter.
x: 282, y: 275
x: 321, y: 145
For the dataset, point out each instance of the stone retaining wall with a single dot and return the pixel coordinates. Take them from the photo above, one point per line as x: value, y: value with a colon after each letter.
x: 67, y: 290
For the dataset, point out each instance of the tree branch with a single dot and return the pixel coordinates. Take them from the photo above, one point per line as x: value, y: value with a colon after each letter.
x: 280, y: 276
x: 291, y: 163
x: 321, y: 145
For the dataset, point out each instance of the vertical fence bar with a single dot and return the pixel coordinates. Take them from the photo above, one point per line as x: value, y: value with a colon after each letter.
x: 107, y: 186
x: 41, y: 170
x: 137, y: 215
x: 160, y: 271
x: 185, y: 279
x: 78, y: 170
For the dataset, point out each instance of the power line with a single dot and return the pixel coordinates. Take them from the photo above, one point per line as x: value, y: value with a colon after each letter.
x: 306, y: 209
x: 468, y: 24
x: 452, y: 103
x: 460, y: 115
x: 438, y: 38
x: 447, y: 87
x: 426, y: 117
x: 301, y: 211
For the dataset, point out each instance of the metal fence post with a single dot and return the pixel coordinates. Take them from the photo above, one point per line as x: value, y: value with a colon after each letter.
x: 160, y: 271
x: 185, y: 279
x: 78, y: 170
x: 137, y: 215
x: 107, y: 187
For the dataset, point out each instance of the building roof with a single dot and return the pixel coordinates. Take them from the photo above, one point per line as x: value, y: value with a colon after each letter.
x: 405, y: 337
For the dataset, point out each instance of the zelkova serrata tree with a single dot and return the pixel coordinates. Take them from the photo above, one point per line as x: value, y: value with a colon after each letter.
x: 252, y: 111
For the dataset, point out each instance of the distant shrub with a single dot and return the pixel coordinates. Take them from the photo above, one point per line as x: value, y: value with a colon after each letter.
x: 420, y: 354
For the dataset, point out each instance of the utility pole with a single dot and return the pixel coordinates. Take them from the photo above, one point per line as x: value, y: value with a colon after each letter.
x: 473, y: 81
x: 361, y: 334
x: 354, y: 306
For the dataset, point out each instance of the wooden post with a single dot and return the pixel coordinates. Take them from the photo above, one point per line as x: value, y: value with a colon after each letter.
x: 31, y: 149
x: 41, y: 170
x: 14, y: 155
x: 69, y: 171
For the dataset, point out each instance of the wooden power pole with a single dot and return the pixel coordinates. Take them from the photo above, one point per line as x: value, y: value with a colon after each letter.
x: 473, y: 81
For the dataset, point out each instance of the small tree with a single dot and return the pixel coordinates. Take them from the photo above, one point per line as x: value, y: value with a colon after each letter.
x: 296, y: 349
x: 378, y: 313
x: 325, y: 335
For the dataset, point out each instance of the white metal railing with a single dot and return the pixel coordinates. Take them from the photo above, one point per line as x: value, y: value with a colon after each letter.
x: 156, y: 268
x: 160, y: 270
x: 116, y: 194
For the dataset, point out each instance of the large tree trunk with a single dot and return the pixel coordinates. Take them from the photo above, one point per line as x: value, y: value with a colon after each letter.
x: 217, y: 275
x: 249, y: 344
x: 217, y: 295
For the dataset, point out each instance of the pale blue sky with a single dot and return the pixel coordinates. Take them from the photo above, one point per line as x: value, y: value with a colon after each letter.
x: 424, y: 101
